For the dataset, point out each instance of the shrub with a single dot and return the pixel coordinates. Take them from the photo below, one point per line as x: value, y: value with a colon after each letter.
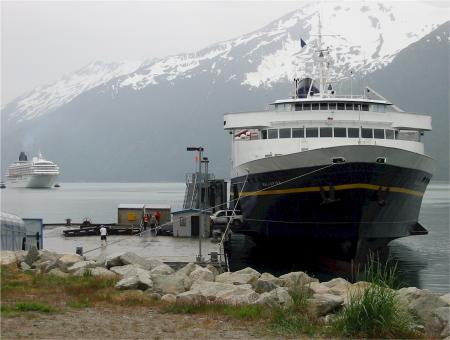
x: 376, y: 311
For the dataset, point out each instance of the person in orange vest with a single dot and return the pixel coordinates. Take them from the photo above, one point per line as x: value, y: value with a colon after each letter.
x: 146, y: 218
x: 158, y: 217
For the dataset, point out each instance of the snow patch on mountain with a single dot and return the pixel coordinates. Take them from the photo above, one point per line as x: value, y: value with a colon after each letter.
x: 45, y: 98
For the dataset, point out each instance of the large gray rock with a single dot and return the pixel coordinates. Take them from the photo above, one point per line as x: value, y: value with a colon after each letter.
x: 127, y: 270
x: 338, y: 286
x: 65, y: 261
x: 212, y: 269
x: 225, y: 293
x: 201, y: 274
x: 141, y: 280
x: 422, y: 303
x: 81, y: 264
x: 24, y: 266
x: 20, y: 255
x: 32, y: 256
x: 100, y: 271
x: 44, y: 266
x: 132, y: 258
x: 169, y: 298
x: 46, y: 255
x: 188, y: 269
x: 237, y: 278
x: 323, y: 304
x: 170, y: 284
x: 248, y: 270
x: 162, y: 269
x: 266, y: 283
x: 445, y: 298
x: 191, y: 298
x: 317, y: 288
x: 296, y: 279
x: 277, y: 298
x: 441, y: 321
x: 113, y: 261
x: 240, y: 295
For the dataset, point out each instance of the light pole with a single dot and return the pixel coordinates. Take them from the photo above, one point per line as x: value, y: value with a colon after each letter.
x: 199, y: 149
x: 205, y: 161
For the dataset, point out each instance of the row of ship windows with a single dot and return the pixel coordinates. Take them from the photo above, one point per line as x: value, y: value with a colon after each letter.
x: 339, y: 132
x: 331, y: 106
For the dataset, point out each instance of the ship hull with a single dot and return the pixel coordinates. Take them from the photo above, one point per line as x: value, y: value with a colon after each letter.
x: 342, y: 210
x: 32, y: 181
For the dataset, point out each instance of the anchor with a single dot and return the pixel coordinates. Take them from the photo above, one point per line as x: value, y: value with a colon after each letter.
x: 331, y: 198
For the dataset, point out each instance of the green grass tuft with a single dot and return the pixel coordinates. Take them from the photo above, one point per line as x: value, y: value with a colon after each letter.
x: 242, y: 312
x: 34, y: 307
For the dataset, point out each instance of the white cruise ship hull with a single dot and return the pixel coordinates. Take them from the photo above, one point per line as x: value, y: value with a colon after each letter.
x: 32, y: 181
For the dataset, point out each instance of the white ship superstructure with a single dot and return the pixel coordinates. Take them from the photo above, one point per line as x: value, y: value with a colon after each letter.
x: 37, y: 173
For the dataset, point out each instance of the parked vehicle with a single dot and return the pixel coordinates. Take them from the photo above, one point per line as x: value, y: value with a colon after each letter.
x: 166, y: 229
x: 223, y: 216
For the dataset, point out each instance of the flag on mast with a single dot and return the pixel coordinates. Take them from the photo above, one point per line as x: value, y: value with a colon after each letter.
x: 302, y: 43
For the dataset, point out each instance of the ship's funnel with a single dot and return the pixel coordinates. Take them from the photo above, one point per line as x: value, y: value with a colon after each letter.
x: 23, y: 157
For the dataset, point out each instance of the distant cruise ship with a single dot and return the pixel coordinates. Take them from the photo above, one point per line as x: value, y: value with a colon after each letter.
x: 38, y: 173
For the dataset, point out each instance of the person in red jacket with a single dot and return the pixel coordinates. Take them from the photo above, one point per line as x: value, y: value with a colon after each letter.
x: 158, y: 217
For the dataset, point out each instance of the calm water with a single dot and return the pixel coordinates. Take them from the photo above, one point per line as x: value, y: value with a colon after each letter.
x: 423, y: 260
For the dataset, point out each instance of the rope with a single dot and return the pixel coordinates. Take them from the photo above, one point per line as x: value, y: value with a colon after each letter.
x: 311, y: 222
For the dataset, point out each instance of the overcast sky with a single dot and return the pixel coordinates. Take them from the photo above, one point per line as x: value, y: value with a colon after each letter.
x: 42, y: 41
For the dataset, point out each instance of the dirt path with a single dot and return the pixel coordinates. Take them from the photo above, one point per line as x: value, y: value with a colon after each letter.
x: 123, y: 323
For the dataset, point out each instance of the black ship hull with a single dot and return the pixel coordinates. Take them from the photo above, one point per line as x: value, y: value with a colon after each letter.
x: 342, y: 211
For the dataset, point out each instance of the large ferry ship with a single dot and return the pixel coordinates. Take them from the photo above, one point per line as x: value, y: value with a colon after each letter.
x: 332, y: 173
x: 37, y: 173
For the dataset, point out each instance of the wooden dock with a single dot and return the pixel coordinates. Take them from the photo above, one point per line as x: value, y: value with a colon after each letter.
x: 93, y: 229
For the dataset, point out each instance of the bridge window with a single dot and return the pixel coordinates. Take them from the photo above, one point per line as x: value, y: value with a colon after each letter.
x: 365, y: 107
x: 366, y: 133
x: 389, y: 134
x: 324, y: 106
x: 298, y: 107
x: 263, y: 134
x: 306, y: 107
x: 312, y: 132
x: 273, y: 133
x: 332, y: 106
x: 349, y: 107
x: 285, y: 133
x: 326, y: 132
x: 378, y: 133
x: 341, y: 106
x: 315, y: 106
x: 298, y: 133
x: 357, y: 107
x: 340, y: 132
x: 353, y: 132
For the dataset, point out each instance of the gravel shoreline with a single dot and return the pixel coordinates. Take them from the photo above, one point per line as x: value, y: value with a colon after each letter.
x: 124, y: 323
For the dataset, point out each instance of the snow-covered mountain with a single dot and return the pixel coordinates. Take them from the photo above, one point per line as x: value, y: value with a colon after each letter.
x: 363, y: 36
x: 131, y: 122
x: 44, y: 99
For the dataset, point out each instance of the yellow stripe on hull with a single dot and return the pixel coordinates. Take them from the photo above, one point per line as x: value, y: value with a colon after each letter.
x: 336, y: 187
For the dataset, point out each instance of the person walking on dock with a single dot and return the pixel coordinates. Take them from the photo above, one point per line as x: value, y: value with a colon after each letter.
x: 152, y: 222
x: 103, y: 233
